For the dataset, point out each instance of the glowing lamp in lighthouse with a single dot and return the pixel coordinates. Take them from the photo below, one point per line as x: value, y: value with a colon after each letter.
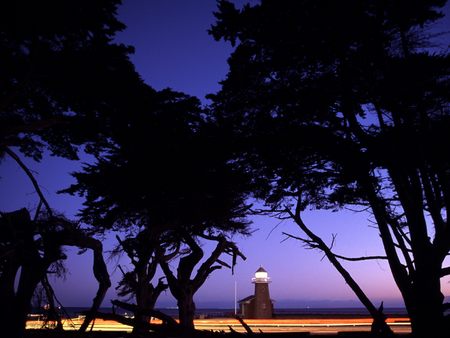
x: 261, y: 276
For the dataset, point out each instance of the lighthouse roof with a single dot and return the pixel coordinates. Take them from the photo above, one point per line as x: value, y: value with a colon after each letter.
x: 246, y: 299
x: 261, y: 269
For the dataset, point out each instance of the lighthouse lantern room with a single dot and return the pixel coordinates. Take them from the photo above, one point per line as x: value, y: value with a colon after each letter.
x: 261, y: 276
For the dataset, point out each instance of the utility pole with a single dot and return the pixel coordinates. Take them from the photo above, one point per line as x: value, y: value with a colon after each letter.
x: 235, y: 297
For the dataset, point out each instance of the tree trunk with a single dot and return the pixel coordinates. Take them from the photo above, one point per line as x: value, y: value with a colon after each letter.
x: 101, y: 275
x: 29, y: 279
x: 143, y: 304
x: 420, y: 286
x: 10, y: 314
x: 186, y: 309
x: 8, y: 295
x: 15, y: 324
x: 52, y: 311
x: 426, y: 308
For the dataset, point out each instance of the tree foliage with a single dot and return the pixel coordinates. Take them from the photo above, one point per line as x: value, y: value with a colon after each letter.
x: 61, y: 71
x: 165, y: 166
x: 166, y: 174
x: 340, y: 103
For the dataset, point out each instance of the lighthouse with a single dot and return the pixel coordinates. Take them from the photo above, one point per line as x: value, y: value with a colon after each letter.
x: 258, y: 305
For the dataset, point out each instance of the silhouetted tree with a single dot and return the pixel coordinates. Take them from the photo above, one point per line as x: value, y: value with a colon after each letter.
x: 167, y: 175
x: 137, y: 283
x: 184, y: 284
x: 339, y: 103
x: 63, y: 82
x: 33, y: 246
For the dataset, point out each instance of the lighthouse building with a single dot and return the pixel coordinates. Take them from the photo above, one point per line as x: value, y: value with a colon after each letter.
x: 258, y: 305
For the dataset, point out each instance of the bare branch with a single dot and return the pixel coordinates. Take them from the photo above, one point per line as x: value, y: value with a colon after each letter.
x: 233, y: 250
x: 445, y: 271
x: 333, y: 239
x: 404, y: 235
x: 188, y: 262
x: 216, y: 238
x: 128, y: 321
x: 398, y: 246
x: 363, y: 258
x: 154, y: 313
x: 402, y: 238
x: 244, y: 324
x: 433, y: 200
x: 314, y: 245
x: 367, y: 208
x: 310, y: 243
x: 272, y: 211
x: 223, y: 263
x: 38, y: 211
x: 276, y: 226
x: 171, y: 279
x: 173, y: 254
x: 333, y: 260
x: 207, y: 267
x: 127, y: 249
x: 27, y: 171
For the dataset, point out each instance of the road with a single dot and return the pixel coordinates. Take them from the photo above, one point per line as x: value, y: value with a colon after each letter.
x: 313, y: 325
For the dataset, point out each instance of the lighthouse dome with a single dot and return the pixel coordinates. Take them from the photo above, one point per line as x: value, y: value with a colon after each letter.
x: 261, y: 276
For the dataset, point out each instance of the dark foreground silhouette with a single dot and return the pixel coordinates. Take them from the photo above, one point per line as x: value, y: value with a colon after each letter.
x: 99, y: 334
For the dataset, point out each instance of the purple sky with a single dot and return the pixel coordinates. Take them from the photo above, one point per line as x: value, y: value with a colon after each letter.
x: 174, y: 50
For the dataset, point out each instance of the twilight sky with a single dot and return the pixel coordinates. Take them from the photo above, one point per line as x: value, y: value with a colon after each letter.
x: 174, y: 50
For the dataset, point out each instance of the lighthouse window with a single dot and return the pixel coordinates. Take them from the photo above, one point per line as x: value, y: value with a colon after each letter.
x: 261, y: 275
